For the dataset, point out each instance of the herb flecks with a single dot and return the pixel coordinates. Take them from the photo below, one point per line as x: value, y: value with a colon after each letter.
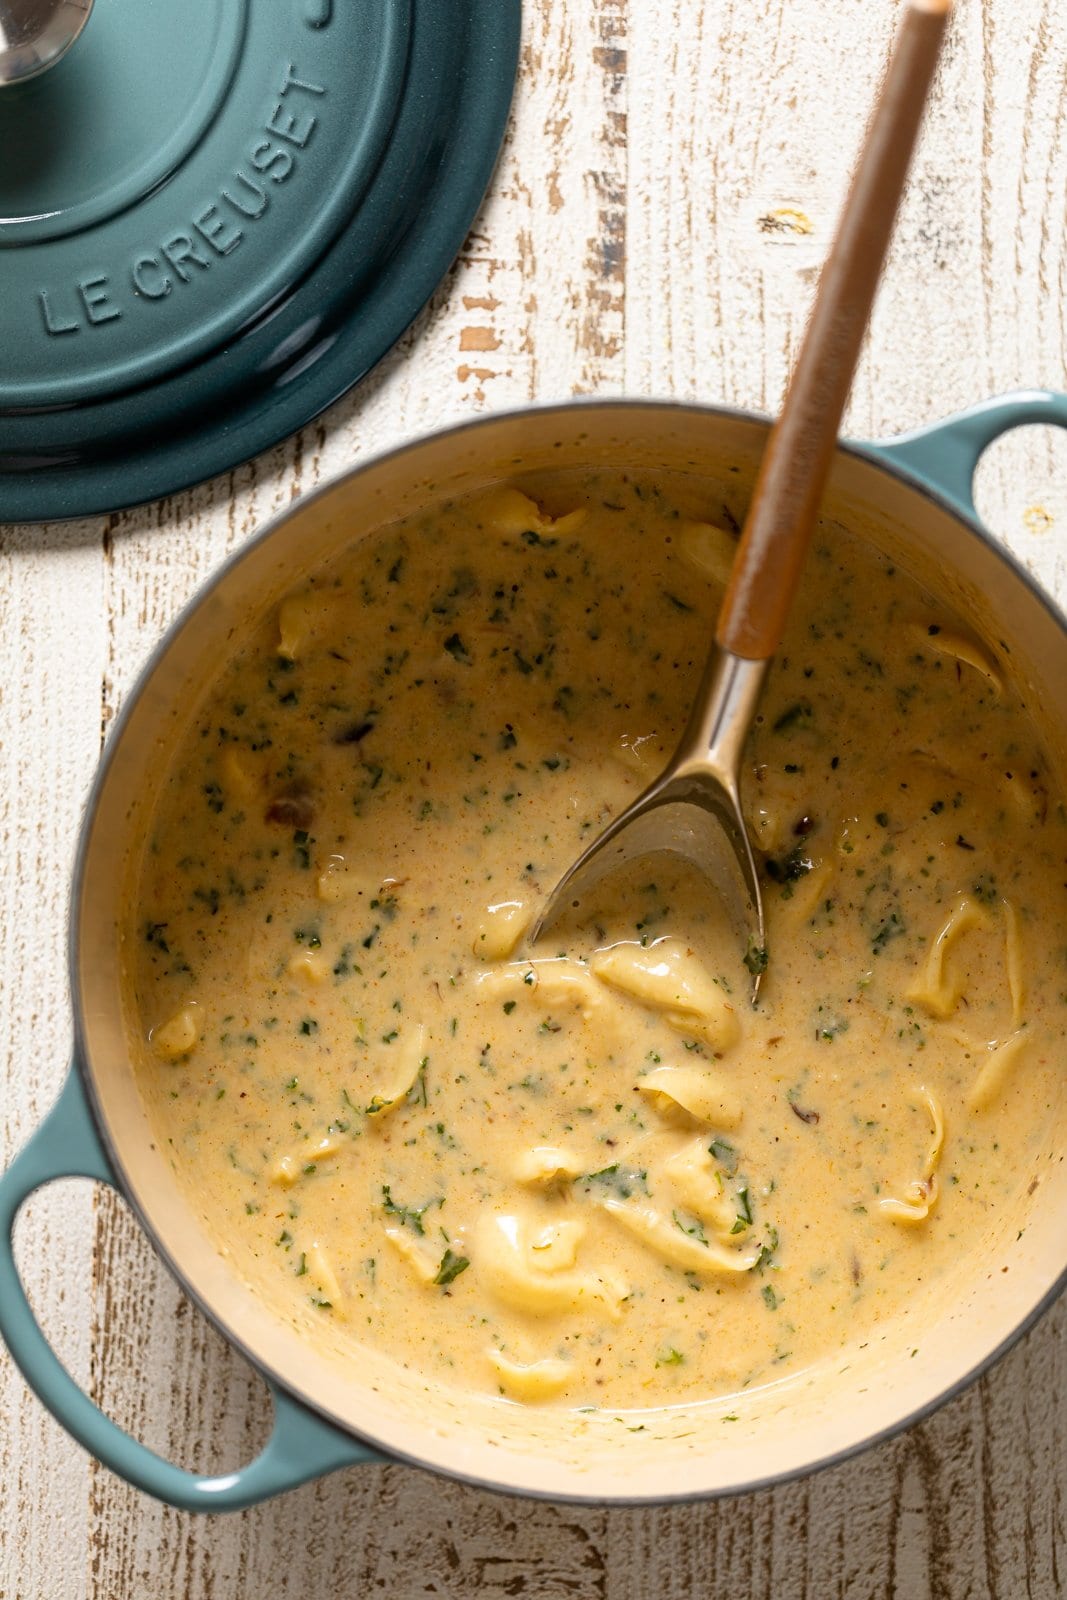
x: 756, y: 959
x: 452, y: 1264
x: 618, y: 1179
x: 798, y: 715
x: 725, y: 1155
x: 691, y: 1226
x: 789, y: 868
x: 458, y: 650
x: 407, y: 1216
x: 892, y: 927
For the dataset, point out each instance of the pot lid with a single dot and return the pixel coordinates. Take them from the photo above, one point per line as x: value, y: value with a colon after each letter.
x: 215, y: 217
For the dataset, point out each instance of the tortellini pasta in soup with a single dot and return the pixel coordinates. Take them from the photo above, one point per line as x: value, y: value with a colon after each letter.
x: 589, y: 1173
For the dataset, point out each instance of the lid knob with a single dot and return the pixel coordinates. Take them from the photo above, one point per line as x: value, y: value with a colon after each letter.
x: 35, y: 33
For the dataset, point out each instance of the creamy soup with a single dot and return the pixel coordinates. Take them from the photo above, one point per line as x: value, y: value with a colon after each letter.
x: 590, y: 1171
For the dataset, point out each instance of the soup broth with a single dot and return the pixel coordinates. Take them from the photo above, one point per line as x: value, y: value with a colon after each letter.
x: 590, y: 1172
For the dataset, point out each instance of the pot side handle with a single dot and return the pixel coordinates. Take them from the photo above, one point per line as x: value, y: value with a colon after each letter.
x: 943, y: 455
x: 302, y: 1446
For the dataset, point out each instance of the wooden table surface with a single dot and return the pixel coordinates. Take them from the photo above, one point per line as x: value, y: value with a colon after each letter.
x: 655, y: 225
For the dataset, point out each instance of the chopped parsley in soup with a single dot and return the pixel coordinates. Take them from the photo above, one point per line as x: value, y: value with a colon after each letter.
x: 590, y: 1171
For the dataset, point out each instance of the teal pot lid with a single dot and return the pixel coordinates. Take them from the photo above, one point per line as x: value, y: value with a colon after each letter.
x: 216, y: 217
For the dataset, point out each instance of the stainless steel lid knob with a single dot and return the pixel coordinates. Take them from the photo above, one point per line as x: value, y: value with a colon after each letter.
x: 35, y: 33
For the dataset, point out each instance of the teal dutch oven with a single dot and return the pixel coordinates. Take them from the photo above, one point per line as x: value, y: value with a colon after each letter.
x: 912, y: 497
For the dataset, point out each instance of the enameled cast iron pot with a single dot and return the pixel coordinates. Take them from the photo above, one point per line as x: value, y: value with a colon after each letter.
x: 912, y: 497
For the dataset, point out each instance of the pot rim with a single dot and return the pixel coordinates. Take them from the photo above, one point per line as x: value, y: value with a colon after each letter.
x: 871, y: 453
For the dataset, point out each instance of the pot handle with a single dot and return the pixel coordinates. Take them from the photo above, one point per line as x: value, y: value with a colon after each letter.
x: 943, y: 456
x: 301, y: 1446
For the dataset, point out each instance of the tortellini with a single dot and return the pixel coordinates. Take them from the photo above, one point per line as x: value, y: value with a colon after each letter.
x: 288, y: 1168
x: 949, y: 642
x: 695, y: 1178
x: 551, y: 983
x: 179, y: 1034
x: 302, y: 617
x: 691, y: 1218
x: 530, y: 1380
x: 321, y: 1274
x: 310, y: 967
x: 666, y: 976
x: 547, y: 1164
x: 510, y: 511
x: 501, y: 929
x: 683, y: 1244
x: 410, y: 1059
x: 940, y: 987
x: 920, y: 1197
x: 702, y: 1094
x: 415, y: 1255
x: 533, y: 1268
x: 1000, y: 1061
x: 710, y: 549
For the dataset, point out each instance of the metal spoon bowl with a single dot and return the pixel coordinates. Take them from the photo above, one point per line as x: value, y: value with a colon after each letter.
x: 693, y: 810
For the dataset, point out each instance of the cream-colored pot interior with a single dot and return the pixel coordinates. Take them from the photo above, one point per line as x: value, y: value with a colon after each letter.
x: 779, y: 1430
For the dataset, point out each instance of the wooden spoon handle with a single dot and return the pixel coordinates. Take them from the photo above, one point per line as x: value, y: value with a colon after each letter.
x: 801, y: 446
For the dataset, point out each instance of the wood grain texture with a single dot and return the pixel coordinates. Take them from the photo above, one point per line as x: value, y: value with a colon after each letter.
x: 670, y: 178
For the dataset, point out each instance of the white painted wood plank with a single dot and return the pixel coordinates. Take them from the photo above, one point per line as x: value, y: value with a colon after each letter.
x: 51, y: 658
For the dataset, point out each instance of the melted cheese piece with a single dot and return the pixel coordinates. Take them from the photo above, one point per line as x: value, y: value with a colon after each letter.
x: 590, y: 1173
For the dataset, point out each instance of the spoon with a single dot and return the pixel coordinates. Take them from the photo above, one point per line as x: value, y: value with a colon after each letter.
x: 693, y: 809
